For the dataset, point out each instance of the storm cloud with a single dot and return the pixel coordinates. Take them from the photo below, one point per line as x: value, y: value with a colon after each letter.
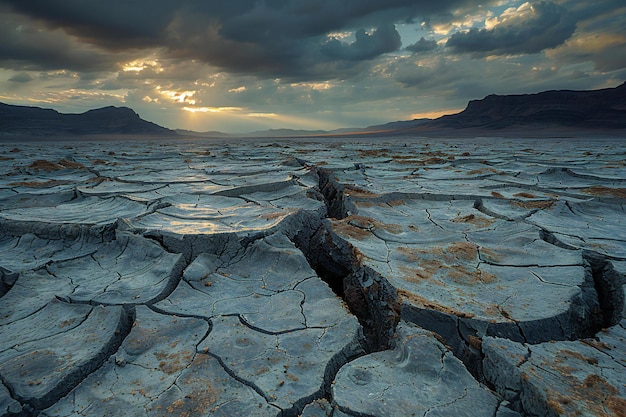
x: 271, y: 38
x: 383, y: 39
x: 422, y: 45
x: 531, y: 28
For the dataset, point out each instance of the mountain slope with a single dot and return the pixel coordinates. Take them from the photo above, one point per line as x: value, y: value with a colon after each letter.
x: 587, y: 110
x: 35, y: 121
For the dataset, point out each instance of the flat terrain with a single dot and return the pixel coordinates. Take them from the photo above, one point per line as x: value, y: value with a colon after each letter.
x: 387, y: 276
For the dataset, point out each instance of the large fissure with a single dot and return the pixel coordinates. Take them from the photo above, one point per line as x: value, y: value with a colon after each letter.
x: 608, y: 285
x: 368, y: 295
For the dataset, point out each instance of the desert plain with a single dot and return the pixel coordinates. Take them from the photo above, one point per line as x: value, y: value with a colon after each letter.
x: 360, y: 276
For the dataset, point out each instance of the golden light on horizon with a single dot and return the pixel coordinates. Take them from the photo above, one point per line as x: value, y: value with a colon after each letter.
x: 435, y: 114
x: 271, y: 115
x: 211, y: 109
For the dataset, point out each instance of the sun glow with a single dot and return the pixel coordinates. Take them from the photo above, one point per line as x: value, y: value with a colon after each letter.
x: 211, y: 109
x: 435, y: 114
x: 271, y: 115
x: 184, y: 97
x: 140, y: 65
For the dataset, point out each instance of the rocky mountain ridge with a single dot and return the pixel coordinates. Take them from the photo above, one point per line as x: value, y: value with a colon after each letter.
x: 36, y: 121
x: 594, y: 109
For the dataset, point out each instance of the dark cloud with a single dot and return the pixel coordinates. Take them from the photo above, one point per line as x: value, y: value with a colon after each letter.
x: 114, y: 24
x: 536, y: 27
x: 606, y: 52
x: 22, y: 77
x: 422, y: 45
x: 25, y: 47
x: 382, y: 40
x: 267, y: 38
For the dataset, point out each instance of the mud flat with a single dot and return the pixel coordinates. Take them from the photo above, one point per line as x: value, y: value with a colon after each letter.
x: 314, y: 277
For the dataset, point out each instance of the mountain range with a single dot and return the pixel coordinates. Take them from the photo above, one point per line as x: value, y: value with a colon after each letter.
x: 559, y: 112
x: 24, y: 121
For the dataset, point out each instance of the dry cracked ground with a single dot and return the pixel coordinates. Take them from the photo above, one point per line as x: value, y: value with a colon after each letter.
x: 363, y: 277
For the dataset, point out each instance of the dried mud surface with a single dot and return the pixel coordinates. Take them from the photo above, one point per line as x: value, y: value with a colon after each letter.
x: 314, y: 277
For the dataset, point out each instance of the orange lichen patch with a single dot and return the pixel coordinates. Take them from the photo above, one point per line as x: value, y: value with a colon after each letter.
x: 66, y: 323
x: 374, y: 152
x: 71, y: 164
x: 362, y: 222
x: 272, y: 216
x: 416, y: 299
x: 43, y: 165
x: 482, y: 171
x: 391, y: 228
x: 419, y: 255
x: 98, y: 162
x: 597, y: 344
x: 616, y: 405
x: 39, y: 184
x: 435, y: 153
x: 472, y: 219
x: 174, y: 362
x: 497, y: 194
x: 433, y: 161
x: 368, y: 223
x: 566, y: 354
x: 596, y: 387
x: 197, y: 402
x: 462, y: 250
x: 471, y: 276
x: 342, y: 227
x: 98, y: 180
x: 537, y: 204
x: 454, y: 262
x: 401, y: 157
x: 524, y: 195
x: 600, y: 190
x: 396, y: 203
x: 369, y: 204
x: 411, y: 160
x: 359, y: 192
x: 414, y: 275
x: 555, y: 404
x: 492, y: 254
x: 593, y: 396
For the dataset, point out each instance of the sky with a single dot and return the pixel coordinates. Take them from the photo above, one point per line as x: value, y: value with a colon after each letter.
x: 248, y: 65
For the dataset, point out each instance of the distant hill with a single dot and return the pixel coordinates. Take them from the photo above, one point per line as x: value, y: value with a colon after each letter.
x: 603, y: 109
x: 403, y: 124
x: 213, y: 134
x: 36, y: 122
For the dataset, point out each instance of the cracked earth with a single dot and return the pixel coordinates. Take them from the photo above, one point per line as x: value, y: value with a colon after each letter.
x: 362, y: 277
